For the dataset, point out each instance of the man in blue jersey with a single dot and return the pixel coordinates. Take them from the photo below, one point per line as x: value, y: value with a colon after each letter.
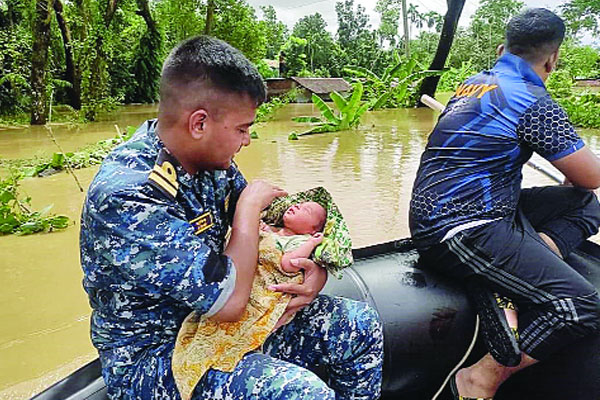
x: 154, y: 248
x: 471, y: 220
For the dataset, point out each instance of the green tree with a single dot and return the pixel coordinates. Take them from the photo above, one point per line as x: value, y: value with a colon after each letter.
x: 39, y: 61
x: 237, y: 24
x: 294, y: 55
x: 351, y: 24
x: 275, y: 32
x: 419, y: 20
x: 488, y: 27
x: 16, y: 44
x: 358, y: 43
x: 320, y: 46
x: 94, y: 57
x: 424, y: 45
x: 73, y: 90
x: 185, y: 18
x: 147, y: 59
x: 582, y: 15
x: 390, y: 13
x: 478, y: 43
x: 210, y: 17
x: 579, y: 61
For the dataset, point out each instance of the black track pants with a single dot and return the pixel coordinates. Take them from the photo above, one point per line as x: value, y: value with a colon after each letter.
x: 556, y: 304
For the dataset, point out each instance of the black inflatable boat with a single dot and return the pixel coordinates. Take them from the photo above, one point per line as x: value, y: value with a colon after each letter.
x: 428, y: 326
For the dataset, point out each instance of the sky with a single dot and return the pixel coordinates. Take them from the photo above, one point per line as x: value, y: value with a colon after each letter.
x: 290, y: 11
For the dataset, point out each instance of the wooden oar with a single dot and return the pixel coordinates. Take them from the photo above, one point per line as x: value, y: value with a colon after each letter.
x: 437, y: 106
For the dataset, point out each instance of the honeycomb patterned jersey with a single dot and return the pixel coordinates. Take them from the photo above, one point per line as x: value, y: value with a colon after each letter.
x: 471, y: 167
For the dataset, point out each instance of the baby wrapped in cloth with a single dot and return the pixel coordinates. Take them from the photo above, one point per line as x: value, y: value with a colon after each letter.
x: 203, y: 343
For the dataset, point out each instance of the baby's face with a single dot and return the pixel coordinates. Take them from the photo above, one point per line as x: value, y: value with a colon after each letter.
x: 305, y: 218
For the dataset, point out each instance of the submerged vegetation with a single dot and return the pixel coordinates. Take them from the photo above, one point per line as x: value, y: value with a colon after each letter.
x: 90, y: 155
x: 266, y: 111
x: 582, y: 109
x: 349, y: 112
x: 581, y: 105
x: 16, y: 215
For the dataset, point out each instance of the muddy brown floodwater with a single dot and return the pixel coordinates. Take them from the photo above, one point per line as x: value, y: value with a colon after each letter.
x: 44, y: 334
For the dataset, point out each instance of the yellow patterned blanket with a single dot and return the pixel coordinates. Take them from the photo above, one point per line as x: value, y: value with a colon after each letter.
x: 203, y: 343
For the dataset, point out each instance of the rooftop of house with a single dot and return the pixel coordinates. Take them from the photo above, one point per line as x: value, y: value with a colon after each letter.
x: 323, y: 85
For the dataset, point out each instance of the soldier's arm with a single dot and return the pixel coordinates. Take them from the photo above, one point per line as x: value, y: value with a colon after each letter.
x: 149, y: 241
x: 242, y: 248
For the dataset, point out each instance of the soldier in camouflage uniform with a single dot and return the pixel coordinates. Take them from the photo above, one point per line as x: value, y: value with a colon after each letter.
x: 153, y: 249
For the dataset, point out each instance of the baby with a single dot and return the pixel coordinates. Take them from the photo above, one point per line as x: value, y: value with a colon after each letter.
x: 204, y: 343
x: 300, y: 234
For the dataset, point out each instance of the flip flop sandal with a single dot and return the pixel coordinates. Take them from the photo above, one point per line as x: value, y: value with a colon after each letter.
x: 498, y: 336
x: 456, y: 396
x: 504, y: 302
x: 507, y: 304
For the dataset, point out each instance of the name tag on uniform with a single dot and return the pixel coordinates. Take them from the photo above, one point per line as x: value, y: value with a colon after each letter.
x: 203, y: 222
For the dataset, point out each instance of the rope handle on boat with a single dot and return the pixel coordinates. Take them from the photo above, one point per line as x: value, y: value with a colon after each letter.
x: 437, y: 106
x: 462, y: 360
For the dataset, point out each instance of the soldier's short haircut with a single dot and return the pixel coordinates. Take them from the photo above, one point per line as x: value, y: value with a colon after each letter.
x: 534, y: 34
x: 204, y: 59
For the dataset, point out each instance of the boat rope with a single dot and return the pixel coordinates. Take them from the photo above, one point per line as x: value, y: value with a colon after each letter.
x: 462, y: 361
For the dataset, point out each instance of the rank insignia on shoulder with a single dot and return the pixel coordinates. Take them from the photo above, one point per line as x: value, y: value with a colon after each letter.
x: 227, y: 198
x: 164, y: 176
x: 202, y: 223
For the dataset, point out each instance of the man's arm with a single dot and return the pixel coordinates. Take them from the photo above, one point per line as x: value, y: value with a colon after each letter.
x: 546, y: 129
x: 315, y: 278
x: 582, y: 168
x: 149, y: 242
x: 243, y: 245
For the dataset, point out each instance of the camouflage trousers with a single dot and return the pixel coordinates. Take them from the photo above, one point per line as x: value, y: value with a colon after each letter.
x: 340, y: 337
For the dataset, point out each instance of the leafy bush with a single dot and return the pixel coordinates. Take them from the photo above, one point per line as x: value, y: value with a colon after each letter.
x: 265, y: 71
x: 15, y: 70
x: 266, y: 111
x: 560, y: 84
x: 455, y: 76
x: 16, y: 216
x: 295, y: 56
x: 397, y: 86
x: 580, y: 61
x: 582, y: 109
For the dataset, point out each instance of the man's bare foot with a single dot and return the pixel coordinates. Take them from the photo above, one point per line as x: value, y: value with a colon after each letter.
x: 471, y: 385
x: 482, y: 379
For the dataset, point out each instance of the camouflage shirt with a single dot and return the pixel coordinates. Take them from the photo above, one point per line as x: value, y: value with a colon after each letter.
x: 152, y: 238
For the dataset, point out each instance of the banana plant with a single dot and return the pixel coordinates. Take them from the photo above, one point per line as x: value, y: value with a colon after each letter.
x: 348, y: 115
x: 397, y: 84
